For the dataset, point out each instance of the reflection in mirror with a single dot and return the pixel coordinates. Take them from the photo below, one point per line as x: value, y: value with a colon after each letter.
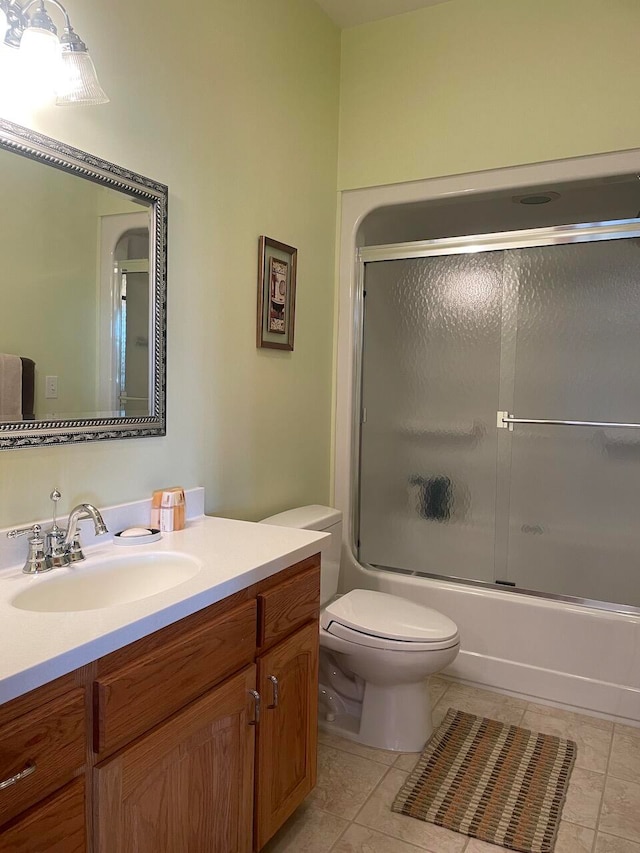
x: 124, y: 314
x: 55, y: 238
x: 133, y: 340
x: 82, y: 325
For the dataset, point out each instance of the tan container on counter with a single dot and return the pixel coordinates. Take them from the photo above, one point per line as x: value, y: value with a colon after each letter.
x: 168, y: 509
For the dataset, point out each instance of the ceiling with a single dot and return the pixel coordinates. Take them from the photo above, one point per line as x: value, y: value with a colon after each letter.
x: 349, y: 13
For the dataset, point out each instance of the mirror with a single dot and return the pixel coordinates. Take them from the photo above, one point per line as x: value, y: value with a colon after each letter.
x: 83, y: 284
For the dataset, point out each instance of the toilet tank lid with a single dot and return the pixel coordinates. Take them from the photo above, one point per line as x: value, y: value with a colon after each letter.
x: 313, y: 517
x: 382, y: 615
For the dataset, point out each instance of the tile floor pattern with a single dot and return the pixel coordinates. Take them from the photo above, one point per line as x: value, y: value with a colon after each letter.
x: 349, y: 810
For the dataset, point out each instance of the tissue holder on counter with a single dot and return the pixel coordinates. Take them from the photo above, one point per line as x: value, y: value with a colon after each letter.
x: 168, y: 509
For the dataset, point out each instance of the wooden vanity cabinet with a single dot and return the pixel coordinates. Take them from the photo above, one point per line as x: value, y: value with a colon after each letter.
x: 158, y: 746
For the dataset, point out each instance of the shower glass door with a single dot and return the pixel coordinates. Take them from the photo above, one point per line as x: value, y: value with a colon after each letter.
x: 431, y: 368
x: 541, y: 332
x: 574, y: 502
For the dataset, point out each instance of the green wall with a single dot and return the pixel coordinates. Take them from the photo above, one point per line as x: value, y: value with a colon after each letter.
x: 240, y: 118
x: 237, y: 111
x: 469, y: 85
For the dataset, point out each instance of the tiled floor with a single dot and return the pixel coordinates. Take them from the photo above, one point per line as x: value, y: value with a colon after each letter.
x: 349, y: 811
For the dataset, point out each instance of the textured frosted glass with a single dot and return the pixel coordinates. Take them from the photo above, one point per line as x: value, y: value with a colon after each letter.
x: 575, y: 491
x: 550, y: 332
x: 431, y: 367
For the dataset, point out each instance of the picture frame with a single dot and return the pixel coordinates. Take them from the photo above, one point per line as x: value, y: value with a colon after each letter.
x: 277, y: 268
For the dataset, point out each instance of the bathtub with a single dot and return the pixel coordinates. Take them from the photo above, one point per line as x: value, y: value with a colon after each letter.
x: 553, y: 652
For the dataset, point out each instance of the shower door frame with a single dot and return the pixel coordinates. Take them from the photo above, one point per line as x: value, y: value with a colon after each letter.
x: 469, y: 244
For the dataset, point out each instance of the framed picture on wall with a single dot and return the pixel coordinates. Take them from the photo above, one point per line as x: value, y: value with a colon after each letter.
x: 276, y: 294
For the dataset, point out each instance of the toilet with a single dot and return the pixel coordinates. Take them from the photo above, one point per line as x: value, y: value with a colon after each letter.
x: 376, y: 651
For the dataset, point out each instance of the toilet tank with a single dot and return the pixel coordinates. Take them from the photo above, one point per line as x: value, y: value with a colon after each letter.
x: 328, y: 520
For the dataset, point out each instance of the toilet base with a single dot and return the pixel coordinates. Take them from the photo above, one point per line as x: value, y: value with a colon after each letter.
x: 394, y: 718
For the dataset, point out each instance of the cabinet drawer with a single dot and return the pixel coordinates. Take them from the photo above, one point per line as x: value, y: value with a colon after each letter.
x: 288, y: 605
x: 52, y: 740
x: 140, y: 695
x: 55, y: 826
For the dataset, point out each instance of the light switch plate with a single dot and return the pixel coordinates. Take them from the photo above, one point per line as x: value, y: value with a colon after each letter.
x: 51, y: 388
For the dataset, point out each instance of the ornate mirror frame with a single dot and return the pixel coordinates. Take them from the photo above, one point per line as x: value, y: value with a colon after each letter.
x: 28, y: 143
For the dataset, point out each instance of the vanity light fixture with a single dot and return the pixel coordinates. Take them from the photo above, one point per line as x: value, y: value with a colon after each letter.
x: 28, y: 27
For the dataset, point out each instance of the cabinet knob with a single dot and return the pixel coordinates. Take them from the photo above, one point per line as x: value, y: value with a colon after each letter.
x: 276, y: 688
x: 12, y: 780
x: 257, y: 700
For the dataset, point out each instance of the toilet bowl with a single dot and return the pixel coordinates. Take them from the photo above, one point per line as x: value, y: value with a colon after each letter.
x: 377, y: 651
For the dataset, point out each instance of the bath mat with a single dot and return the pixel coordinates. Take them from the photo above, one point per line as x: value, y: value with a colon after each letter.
x: 491, y: 781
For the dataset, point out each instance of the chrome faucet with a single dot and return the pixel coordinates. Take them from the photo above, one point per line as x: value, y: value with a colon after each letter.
x: 58, y: 547
x: 71, y: 541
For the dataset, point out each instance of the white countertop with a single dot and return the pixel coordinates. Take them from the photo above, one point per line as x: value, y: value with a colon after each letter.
x: 36, y: 647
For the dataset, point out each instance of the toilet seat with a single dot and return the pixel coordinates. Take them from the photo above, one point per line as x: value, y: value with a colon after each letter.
x: 373, y: 642
x: 382, y: 621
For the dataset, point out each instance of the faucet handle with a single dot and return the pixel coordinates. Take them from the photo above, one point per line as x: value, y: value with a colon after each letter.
x: 22, y: 531
x: 37, y: 561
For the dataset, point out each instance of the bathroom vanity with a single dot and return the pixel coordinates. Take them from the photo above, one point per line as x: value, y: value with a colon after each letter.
x: 201, y: 735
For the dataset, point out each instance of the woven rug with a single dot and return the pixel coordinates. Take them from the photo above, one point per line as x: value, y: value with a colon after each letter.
x: 492, y: 781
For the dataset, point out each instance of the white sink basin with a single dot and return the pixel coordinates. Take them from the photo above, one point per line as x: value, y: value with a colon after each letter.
x: 97, y: 583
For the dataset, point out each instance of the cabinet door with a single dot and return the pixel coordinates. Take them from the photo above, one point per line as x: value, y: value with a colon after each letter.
x: 288, y: 731
x: 56, y: 825
x: 187, y: 786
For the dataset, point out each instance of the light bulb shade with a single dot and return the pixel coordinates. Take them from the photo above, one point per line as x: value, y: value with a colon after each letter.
x: 40, y: 46
x: 78, y: 81
x: 40, y: 64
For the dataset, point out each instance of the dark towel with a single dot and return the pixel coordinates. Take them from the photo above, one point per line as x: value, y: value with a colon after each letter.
x: 28, y: 388
x: 434, y: 497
